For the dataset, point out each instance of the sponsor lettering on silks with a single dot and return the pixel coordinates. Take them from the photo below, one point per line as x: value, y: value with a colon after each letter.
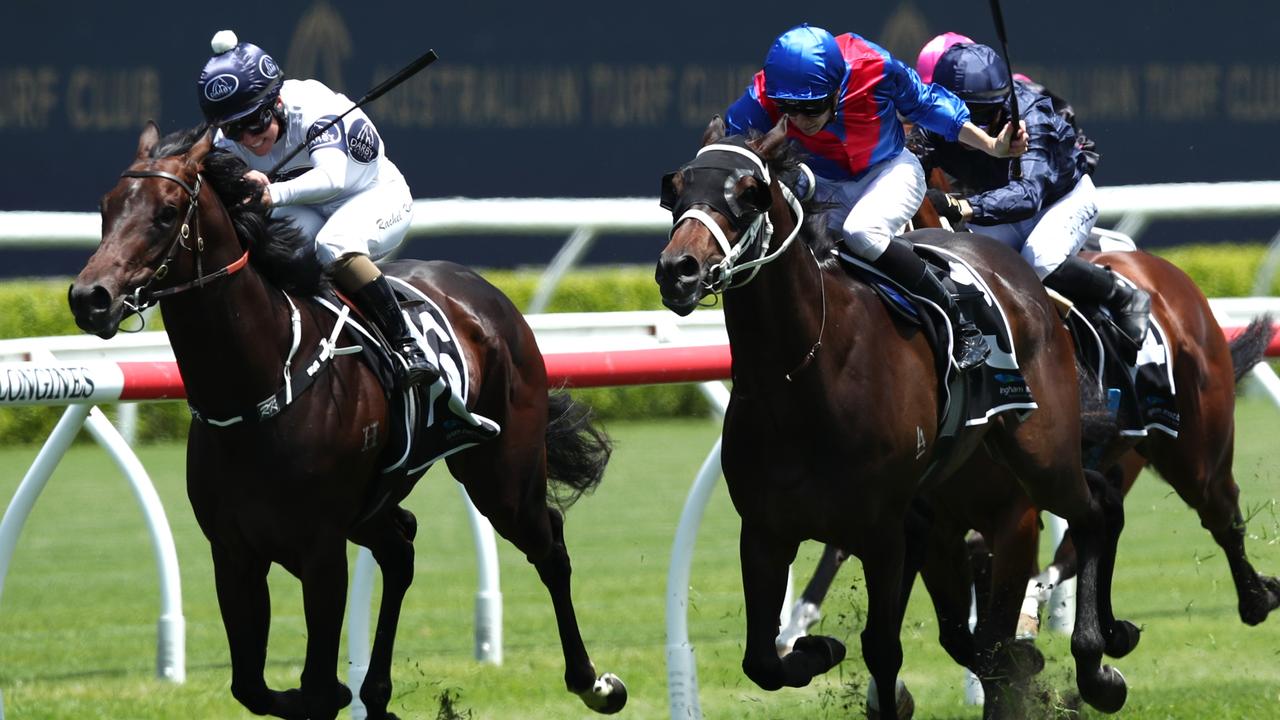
x: 268, y: 68
x: 319, y: 136
x: 363, y: 142
x: 221, y: 87
x: 61, y: 383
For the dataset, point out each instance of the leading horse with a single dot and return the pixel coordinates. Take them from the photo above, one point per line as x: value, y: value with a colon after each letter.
x: 834, y: 414
x: 293, y: 488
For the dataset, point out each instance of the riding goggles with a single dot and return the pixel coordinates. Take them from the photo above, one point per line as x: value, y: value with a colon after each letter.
x: 808, y: 108
x: 253, y: 123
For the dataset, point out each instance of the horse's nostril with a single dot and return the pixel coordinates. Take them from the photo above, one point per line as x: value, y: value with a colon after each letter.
x: 687, y: 267
x: 99, y: 299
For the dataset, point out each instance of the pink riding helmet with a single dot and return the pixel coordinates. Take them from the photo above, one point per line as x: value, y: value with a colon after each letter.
x: 933, y: 49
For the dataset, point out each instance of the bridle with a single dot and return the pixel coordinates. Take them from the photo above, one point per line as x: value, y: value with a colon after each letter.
x: 144, y: 297
x: 754, y: 239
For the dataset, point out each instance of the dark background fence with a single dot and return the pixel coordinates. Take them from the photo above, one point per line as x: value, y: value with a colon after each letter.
x: 570, y: 99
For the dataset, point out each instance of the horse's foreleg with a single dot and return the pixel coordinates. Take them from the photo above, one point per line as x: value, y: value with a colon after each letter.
x: 391, y: 543
x: 1121, y: 635
x: 807, y: 611
x: 1004, y: 663
x: 245, y: 603
x: 1100, y: 685
x: 881, y: 638
x: 765, y: 562
x: 324, y: 597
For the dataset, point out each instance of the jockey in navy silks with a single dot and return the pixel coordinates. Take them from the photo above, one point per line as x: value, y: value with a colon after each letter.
x: 841, y: 97
x: 1047, y: 213
x: 343, y: 192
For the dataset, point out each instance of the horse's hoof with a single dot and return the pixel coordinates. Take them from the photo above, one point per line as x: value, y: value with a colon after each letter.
x: 1108, y: 693
x: 904, y: 702
x: 607, y: 696
x: 812, y: 655
x: 1123, y: 639
x: 1024, y: 659
x: 1255, y: 608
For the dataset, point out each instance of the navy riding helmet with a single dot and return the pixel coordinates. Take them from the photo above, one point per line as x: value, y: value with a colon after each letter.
x: 973, y: 72
x: 239, y: 79
x: 804, y: 68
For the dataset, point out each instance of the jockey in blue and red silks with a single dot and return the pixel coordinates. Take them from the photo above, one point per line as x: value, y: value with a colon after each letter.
x: 841, y: 97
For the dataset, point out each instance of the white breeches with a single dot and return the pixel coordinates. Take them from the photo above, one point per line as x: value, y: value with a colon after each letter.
x: 373, y: 222
x: 873, y: 209
x: 1053, y: 234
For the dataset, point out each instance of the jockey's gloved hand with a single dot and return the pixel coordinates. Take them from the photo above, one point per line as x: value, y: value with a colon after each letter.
x: 800, y: 180
x: 948, y: 206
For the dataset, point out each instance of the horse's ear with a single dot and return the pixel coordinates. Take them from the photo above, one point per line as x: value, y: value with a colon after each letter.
x: 773, y: 140
x: 202, y: 147
x: 147, y: 141
x: 714, y: 132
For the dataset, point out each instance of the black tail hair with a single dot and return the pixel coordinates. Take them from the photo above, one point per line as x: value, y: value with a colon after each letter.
x: 577, y: 450
x: 1098, y: 427
x: 1249, y: 347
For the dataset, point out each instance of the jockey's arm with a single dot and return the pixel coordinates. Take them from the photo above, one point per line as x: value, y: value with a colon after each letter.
x: 1002, y: 146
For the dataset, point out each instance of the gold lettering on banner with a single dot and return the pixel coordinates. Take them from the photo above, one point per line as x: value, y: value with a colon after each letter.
x: 1182, y: 92
x: 905, y: 32
x: 319, y: 46
x: 469, y: 96
x: 1253, y: 93
x: 705, y: 90
x: 112, y: 98
x: 630, y: 95
x: 28, y: 96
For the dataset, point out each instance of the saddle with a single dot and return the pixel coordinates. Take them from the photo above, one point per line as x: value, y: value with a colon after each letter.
x: 970, y: 398
x: 425, y: 423
x: 1138, y: 386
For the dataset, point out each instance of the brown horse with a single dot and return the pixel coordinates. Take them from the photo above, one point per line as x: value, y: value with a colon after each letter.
x: 294, y: 488
x: 1197, y: 464
x: 833, y: 416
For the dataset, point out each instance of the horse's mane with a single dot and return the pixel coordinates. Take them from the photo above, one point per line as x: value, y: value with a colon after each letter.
x: 785, y: 160
x: 277, y: 249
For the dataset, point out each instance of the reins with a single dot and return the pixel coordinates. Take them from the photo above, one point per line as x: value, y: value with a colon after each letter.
x: 759, y: 232
x: 144, y: 297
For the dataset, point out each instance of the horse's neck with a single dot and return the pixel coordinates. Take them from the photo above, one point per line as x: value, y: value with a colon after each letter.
x: 230, y: 336
x: 778, y: 316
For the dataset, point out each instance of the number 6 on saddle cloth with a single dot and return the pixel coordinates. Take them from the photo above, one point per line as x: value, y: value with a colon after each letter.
x: 427, y: 423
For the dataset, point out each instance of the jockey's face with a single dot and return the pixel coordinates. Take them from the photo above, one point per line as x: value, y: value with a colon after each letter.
x: 255, y: 135
x: 809, y: 124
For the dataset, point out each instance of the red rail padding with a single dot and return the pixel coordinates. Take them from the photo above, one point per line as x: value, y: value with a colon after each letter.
x: 151, y: 381
x: 639, y: 367
x: 1273, y: 348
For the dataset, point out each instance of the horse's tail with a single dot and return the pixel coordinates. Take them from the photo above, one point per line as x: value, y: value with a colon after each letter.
x: 1249, y: 347
x: 1098, y: 425
x: 577, y: 450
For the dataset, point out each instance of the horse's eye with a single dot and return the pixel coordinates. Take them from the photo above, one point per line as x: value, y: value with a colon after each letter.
x: 166, y: 216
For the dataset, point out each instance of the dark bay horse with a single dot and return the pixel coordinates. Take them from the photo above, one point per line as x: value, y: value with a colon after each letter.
x: 295, y: 488
x: 833, y: 415
x: 1197, y: 464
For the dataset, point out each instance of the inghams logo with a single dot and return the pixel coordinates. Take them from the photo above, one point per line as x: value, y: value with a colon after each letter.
x: 44, y: 384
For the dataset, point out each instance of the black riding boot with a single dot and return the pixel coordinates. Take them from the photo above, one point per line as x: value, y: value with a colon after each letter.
x: 901, y: 263
x: 378, y: 302
x: 1080, y: 279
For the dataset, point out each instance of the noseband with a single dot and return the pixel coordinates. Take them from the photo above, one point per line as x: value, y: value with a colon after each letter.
x: 143, y: 297
x: 755, y: 238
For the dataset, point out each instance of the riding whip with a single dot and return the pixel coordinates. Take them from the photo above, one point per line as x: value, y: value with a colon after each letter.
x: 1016, y: 169
x: 381, y: 89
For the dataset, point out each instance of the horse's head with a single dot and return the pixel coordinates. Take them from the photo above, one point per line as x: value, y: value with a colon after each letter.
x: 719, y: 204
x: 146, y: 218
